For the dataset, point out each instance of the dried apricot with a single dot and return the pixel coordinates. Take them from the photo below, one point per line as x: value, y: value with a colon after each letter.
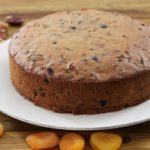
x: 72, y: 141
x: 42, y: 140
x: 1, y: 129
x: 105, y: 141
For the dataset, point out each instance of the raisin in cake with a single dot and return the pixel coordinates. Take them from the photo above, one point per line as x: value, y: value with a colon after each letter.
x: 82, y: 62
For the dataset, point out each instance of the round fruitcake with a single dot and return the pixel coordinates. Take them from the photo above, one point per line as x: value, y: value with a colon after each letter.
x: 82, y: 62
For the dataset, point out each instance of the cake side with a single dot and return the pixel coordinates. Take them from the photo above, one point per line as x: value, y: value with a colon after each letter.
x: 80, y: 97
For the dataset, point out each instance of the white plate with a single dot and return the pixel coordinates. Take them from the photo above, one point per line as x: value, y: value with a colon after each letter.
x: 14, y: 105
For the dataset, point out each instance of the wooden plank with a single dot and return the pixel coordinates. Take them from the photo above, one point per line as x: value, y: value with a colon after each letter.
x: 15, y: 125
x: 16, y: 132
x: 57, y: 5
x: 13, y: 141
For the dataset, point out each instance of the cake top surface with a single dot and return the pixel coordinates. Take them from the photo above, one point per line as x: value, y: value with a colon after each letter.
x: 83, y: 45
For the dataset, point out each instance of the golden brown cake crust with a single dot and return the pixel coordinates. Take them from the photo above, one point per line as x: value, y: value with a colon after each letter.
x: 85, y: 45
x: 84, y: 61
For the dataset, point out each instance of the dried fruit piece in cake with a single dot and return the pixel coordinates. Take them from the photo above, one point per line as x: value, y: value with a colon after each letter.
x: 105, y: 141
x: 43, y: 140
x: 72, y: 141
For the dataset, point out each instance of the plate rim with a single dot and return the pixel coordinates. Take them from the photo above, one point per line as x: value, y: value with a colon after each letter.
x: 73, y: 128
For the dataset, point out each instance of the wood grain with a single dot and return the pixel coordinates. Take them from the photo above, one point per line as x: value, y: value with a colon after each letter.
x: 26, y: 6
x: 16, y: 131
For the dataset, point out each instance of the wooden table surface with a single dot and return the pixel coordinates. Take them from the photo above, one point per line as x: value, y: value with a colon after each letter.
x: 16, y: 131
